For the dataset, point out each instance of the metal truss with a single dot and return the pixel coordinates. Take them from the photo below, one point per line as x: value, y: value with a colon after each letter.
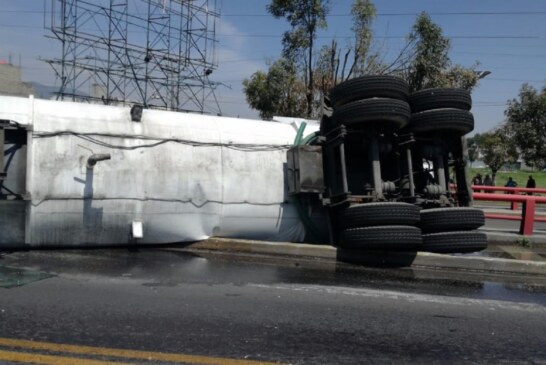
x: 158, y: 53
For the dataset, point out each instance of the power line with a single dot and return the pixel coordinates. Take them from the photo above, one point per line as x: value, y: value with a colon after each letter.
x: 536, y: 37
x: 530, y: 37
x: 516, y: 80
x: 466, y: 13
x: 462, y: 13
x: 499, y: 54
x: 20, y: 26
x: 44, y: 67
x: 484, y: 103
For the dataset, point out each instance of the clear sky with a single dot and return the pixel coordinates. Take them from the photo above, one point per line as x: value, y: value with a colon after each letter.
x: 507, y: 37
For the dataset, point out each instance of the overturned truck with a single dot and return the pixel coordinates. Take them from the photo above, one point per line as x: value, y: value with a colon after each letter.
x: 394, y: 168
x: 371, y: 176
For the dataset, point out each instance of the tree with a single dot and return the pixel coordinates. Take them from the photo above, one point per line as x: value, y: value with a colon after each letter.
x: 431, y: 54
x: 497, y: 149
x: 426, y: 56
x: 337, y: 63
x: 306, y: 17
x: 276, y: 92
x: 473, y: 144
x: 526, y: 121
x: 424, y: 61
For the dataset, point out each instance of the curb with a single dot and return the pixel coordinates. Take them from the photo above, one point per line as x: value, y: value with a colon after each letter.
x: 378, y: 259
x: 511, y: 238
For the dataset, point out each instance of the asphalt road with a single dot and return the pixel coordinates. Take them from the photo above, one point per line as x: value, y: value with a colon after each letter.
x: 157, y: 306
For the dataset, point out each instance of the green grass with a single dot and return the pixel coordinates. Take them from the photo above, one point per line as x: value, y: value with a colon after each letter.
x: 519, y: 176
x: 524, y: 242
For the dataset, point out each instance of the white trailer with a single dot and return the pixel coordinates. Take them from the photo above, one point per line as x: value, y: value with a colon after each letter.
x: 87, y: 175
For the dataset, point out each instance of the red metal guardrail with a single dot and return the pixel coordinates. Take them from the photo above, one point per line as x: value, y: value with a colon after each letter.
x: 506, y: 190
x: 513, y: 196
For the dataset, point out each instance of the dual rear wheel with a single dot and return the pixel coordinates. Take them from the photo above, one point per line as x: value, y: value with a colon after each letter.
x: 403, y: 227
x: 383, y: 104
x: 453, y: 230
x: 380, y: 226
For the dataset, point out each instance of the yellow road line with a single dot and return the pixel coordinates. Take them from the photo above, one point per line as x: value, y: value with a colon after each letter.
x: 129, y: 354
x: 50, y: 359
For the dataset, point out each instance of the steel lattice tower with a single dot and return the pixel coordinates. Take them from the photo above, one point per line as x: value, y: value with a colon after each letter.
x: 158, y: 53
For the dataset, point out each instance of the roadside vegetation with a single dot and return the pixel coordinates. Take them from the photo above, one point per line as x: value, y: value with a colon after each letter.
x: 525, y: 242
x: 296, y: 82
x: 520, y: 137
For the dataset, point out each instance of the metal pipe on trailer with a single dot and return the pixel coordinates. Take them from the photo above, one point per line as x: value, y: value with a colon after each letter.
x: 2, y: 136
x: 410, y: 172
x: 342, y: 161
x: 376, y: 166
x: 440, y: 172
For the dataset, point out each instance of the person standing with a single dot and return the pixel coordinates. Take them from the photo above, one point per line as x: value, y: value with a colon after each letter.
x: 510, y: 184
x: 531, y: 184
x: 477, y: 180
x: 488, y: 181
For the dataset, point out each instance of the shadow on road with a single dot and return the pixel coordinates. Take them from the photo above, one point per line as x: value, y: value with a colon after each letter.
x: 376, y: 259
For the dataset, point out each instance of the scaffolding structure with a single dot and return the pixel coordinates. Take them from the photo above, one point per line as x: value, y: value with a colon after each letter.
x: 158, y: 53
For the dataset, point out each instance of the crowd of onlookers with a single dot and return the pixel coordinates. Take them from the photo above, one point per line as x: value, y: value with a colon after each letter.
x: 487, y: 181
x: 511, y: 183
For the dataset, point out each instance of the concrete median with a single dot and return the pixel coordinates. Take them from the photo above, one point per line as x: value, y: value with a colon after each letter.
x: 377, y: 259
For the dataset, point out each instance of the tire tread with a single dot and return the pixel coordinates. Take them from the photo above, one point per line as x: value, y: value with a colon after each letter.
x: 382, y: 113
x: 365, y: 87
x: 451, y: 219
x: 403, y: 238
x: 455, y: 242
x: 379, y: 214
x: 440, y: 98
x: 442, y: 120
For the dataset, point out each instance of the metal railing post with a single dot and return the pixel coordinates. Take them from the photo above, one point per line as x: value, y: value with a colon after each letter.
x: 527, y: 217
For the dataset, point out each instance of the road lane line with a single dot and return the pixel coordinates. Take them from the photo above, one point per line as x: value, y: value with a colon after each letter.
x: 493, y: 304
x: 29, y: 358
x: 128, y: 354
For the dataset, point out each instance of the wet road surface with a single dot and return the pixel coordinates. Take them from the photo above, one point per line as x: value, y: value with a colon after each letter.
x: 178, y: 307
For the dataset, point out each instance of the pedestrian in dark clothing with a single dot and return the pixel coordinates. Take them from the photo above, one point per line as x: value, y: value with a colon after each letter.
x: 531, y: 184
x: 511, y: 184
x: 477, y: 180
x: 488, y: 181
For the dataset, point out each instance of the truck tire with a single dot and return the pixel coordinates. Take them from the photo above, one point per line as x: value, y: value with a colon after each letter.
x: 379, y: 214
x: 380, y: 114
x: 456, y: 121
x: 455, y: 242
x: 451, y: 219
x: 382, y: 238
x: 439, y: 99
x: 369, y: 87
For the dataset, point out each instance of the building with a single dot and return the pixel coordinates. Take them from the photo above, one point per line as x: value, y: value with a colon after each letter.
x: 11, y: 82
